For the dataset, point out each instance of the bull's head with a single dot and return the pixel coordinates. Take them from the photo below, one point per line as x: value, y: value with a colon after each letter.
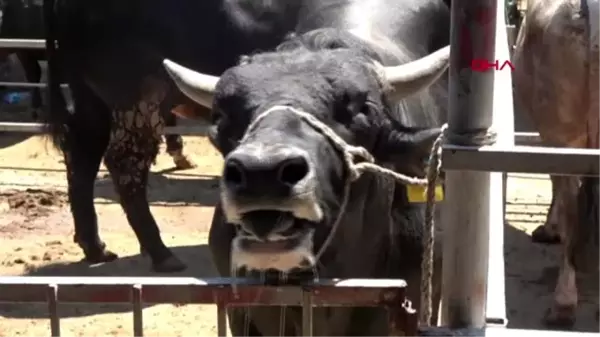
x: 285, y: 180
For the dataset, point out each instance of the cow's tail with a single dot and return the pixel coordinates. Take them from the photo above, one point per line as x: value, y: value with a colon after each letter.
x: 56, y: 115
x: 586, y: 240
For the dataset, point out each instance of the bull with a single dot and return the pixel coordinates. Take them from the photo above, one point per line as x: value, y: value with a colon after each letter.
x: 111, y: 52
x: 374, y: 73
x: 556, y: 81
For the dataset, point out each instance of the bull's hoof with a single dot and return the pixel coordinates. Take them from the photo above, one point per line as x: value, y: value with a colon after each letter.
x: 101, y: 256
x: 169, y: 265
x: 543, y: 235
x: 560, y: 318
x: 183, y: 162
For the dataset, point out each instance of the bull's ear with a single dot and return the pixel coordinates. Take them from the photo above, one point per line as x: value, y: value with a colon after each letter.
x: 218, y: 134
x: 188, y: 109
x: 408, y: 150
x: 185, y: 111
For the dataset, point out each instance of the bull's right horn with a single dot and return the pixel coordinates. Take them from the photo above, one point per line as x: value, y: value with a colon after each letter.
x: 410, y: 78
x: 197, y: 86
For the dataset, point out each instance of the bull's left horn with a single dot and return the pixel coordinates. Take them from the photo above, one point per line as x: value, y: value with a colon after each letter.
x: 410, y: 78
x: 197, y: 86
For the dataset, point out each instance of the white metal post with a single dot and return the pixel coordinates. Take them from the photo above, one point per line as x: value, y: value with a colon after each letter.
x: 471, y: 197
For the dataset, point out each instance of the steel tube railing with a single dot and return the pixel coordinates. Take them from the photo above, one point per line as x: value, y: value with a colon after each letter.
x: 139, y: 290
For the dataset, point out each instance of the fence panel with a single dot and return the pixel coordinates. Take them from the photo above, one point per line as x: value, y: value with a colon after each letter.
x: 388, y: 293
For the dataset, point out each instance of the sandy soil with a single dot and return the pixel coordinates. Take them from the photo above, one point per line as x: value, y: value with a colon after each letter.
x: 36, y: 231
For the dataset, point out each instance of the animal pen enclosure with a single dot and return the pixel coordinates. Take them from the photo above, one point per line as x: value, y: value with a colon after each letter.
x: 475, y: 284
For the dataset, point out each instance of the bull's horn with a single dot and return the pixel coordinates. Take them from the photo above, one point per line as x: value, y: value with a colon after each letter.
x: 197, y: 86
x: 410, y: 78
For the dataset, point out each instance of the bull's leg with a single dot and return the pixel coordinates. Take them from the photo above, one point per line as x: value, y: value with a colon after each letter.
x: 33, y: 73
x: 562, y: 313
x: 548, y: 232
x: 132, y: 148
x: 175, y: 143
x: 83, y: 147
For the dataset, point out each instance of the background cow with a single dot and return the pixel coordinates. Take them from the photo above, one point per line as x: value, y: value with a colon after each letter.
x: 112, y: 52
x: 282, y: 189
x: 556, y: 81
x: 23, y: 19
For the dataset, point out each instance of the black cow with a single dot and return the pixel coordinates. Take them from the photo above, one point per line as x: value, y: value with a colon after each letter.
x: 23, y: 19
x: 112, y: 52
x: 349, y: 66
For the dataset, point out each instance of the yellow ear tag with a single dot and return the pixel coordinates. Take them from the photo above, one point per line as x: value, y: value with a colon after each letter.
x: 417, y: 193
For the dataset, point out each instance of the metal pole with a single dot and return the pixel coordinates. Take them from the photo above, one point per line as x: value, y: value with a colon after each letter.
x: 466, y: 210
x: 138, y: 314
x: 52, y: 298
x: 307, y: 312
x: 221, y: 318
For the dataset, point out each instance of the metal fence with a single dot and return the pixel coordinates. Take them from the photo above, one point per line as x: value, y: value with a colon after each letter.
x: 224, y: 292
x: 473, y: 172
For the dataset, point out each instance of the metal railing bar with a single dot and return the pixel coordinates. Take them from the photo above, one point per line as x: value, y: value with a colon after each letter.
x: 521, y: 138
x: 307, y: 313
x: 351, y: 292
x: 188, y: 281
x: 495, y: 331
x: 183, y: 130
x: 221, y: 318
x: 528, y: 138
x: 52, y: 300
x: 28, y: 85
x: 136, y: 301
x: 522, y: 159
x: 23, y: 43
x: 22, y: 127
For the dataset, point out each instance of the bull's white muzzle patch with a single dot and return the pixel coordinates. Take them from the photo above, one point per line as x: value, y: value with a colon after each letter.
x: 418, y: 193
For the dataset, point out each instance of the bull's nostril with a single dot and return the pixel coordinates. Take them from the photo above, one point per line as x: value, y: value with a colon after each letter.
x: 293, y: 170
x: 233, y: 174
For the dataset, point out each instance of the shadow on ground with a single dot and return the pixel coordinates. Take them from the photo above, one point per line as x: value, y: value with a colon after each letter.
x: 531, y: 271
x: 8, y: 139
x: 201, y: 190
x: 196, y: 257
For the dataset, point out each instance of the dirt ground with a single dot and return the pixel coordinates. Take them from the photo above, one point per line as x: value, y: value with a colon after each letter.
x: 36, y: 231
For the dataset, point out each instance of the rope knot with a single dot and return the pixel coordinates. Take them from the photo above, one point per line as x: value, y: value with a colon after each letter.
x: 351, y: 153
